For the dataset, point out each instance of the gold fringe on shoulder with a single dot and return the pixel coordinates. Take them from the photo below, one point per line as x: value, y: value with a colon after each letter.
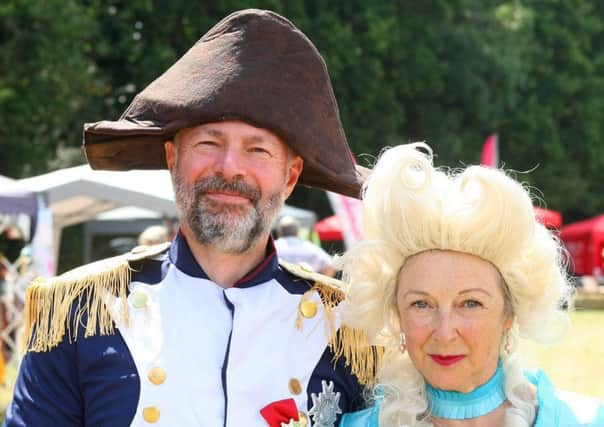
x: 352, y: 344
x: 363, y: 359
x: 54, y: 307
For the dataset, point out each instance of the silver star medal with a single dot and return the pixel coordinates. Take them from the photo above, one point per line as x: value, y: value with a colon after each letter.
x: 325, y: 406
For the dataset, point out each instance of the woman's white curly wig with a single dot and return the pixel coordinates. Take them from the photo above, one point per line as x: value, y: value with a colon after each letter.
x: 411, y: 207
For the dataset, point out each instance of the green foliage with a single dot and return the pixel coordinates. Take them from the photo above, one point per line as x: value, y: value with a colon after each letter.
x: 558, y: 125
x: 44, y: 77
x: 449, y: 72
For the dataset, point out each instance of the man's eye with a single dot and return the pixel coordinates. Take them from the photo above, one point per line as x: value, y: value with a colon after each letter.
x: 206, y: 143
x: 259, y: 150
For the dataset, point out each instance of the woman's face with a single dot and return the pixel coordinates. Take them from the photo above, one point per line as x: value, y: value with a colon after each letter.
x: 451, y: 309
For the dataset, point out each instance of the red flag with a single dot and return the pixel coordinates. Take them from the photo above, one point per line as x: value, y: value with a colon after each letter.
x: 490, y: 152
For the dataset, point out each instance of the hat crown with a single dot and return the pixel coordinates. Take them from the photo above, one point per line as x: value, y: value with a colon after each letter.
x: 254, y: 66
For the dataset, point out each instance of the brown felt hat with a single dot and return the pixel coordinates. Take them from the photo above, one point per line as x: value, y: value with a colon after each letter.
x: 254, y: 66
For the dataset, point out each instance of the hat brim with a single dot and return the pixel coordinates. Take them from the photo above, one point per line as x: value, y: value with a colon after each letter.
x: 122, y: 146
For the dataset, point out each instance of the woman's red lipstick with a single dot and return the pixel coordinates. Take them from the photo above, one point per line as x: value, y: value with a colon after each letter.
x: 446, y: 360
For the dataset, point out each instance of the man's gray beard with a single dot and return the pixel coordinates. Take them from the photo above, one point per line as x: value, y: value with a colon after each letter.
x: 227, y: 228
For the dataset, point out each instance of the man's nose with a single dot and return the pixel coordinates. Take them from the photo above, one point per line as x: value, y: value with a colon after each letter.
x: 231, y: 163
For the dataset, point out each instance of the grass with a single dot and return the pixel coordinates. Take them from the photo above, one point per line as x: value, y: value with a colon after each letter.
x: 577, y: 363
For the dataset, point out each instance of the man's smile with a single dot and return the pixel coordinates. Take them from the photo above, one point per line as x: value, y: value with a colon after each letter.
x: 227, y: 197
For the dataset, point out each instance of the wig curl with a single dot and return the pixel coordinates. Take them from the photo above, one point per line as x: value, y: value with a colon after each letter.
x: 409, y: 207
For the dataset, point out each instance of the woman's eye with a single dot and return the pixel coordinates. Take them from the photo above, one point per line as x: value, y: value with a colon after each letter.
x: 420, y: 304
x: 471, y: 303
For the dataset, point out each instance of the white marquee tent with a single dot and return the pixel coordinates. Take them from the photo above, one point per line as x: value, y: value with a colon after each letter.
x: 80, y: 194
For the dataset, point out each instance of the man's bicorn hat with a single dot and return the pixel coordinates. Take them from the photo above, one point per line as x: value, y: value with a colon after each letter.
x: 254, y: 66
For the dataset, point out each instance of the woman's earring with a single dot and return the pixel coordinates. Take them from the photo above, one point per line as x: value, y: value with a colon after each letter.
x: 506, y: 345
x: 402, y: 342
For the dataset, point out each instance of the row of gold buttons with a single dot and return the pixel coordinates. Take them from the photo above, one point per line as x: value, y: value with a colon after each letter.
x: 157, y: 376
x: 308, y: 309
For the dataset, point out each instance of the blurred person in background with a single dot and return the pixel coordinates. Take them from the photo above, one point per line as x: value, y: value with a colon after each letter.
x: 291, y: 248
x: 12, y: 241
x: 454, y: 267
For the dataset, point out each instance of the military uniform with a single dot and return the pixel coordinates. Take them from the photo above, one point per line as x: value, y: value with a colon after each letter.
x: 262, y: 341
x: 148, y: 338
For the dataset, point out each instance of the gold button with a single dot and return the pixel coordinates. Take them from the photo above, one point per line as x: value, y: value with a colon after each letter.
x: 151, y: 414
x: 138, y: 299
x: 157, y: 375
x: 138, y: 249
x: 294, y: 386
x: 303, y: 419
x: 308, y: 309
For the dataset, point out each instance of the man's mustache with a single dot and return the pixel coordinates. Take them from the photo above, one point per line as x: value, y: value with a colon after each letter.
x: 218, y: 183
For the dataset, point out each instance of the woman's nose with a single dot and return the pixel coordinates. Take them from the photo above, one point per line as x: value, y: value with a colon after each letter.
x: 445, y: 328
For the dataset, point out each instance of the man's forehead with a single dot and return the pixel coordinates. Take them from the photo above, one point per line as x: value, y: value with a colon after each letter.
x: 235, y: 129
x: 232, y: 128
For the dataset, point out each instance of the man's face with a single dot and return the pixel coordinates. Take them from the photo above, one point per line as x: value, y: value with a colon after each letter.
x: 230, y: 181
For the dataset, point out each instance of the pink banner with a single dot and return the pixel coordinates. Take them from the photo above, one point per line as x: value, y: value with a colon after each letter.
x: 490, y: 152
x: 348, y: 210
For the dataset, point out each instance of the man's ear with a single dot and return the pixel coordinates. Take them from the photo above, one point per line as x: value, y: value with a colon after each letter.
x: 294, y: 169
x: 170, y: 150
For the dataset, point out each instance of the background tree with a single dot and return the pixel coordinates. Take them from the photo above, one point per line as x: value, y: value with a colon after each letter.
x: 47, y: 78
x: 558, y: 123
x: 449, y: 72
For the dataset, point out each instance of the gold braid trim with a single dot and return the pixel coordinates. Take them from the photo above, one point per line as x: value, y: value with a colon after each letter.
x: 362, y: 359
x: 55, y: 307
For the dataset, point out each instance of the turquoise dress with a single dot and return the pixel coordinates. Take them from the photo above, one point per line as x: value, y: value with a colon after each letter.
x: 556, y: 408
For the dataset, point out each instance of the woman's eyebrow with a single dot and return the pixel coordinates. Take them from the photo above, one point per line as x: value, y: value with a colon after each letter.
x: 465, y: 291
x: 413, y: 291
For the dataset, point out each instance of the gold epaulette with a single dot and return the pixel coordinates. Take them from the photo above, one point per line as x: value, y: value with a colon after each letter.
x: 362, y: 358
x: 50, y: 303
x: 305, y: 273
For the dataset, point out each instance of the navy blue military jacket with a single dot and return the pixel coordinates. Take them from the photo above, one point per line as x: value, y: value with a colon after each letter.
x: 191, y: 354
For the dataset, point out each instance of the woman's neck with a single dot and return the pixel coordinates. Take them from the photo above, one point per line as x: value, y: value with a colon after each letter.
x: 455, y: 405
x: 492, y: 419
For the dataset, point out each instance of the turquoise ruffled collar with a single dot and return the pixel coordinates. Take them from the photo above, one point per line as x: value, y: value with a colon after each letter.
x: 454, y: 405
